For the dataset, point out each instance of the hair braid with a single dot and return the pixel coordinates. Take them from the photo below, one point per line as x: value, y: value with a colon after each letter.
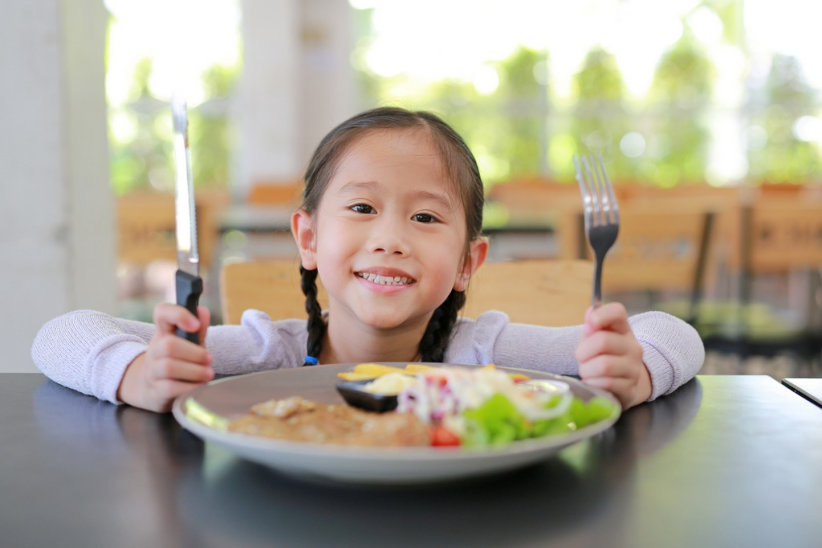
x: 316, y: 325
x: 438, y: 333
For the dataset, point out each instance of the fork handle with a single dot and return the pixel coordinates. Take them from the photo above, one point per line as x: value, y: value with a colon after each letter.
x: 596, y: 297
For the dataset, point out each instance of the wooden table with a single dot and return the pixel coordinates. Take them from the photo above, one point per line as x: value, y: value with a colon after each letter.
x: 725, y: 461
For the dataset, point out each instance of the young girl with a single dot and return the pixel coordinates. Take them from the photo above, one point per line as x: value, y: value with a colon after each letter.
x: 391, y: 222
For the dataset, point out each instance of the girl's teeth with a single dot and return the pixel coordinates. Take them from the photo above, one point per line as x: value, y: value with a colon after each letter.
x: 385, y: 280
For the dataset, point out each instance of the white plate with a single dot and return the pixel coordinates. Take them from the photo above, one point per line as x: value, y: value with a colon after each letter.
x: 232, y: 397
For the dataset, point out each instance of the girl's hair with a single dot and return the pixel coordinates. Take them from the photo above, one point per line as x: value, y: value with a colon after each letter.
x: 461, y: 169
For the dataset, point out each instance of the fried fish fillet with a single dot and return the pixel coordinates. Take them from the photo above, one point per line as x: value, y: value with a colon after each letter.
x: 298, y: 419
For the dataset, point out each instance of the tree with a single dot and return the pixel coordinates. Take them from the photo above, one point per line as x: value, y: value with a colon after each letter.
x: 680, y: 96
x: 784, y: 158
x: 600, y: 118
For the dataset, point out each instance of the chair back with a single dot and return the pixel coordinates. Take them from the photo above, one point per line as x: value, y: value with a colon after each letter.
x: 282, y: 193
x: 146, y: 228
x: 782, y: 235
x: 546, y: 292
x: 270, y: 285
x: 552, y: 292
x: 661, y: 246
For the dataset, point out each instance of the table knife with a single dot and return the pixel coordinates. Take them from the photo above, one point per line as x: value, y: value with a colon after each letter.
x: 189, y: 285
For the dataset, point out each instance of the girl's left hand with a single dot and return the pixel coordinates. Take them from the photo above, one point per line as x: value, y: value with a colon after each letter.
x: 610, y: 357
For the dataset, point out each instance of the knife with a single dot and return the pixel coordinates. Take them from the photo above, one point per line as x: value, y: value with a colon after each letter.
x: 188, y: 283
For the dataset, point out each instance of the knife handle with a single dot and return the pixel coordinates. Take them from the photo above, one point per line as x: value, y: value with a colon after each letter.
x: 189, y: 289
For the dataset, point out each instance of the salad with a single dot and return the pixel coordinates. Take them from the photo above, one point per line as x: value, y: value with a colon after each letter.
x: 485, y: 407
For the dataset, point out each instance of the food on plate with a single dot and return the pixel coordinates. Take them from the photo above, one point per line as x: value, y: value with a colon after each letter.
x: 487, y: 407
x: 365, y: 371
x: 429, y: 406
x: 390, y: 384
x: 298, y: 419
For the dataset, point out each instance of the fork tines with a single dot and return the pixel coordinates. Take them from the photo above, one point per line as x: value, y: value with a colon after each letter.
x: 599, y: 202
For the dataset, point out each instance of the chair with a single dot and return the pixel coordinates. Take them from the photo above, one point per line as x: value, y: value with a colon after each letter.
x: 538, y: 200
x: 545, y: 292
x: 781, y: 236
x: 146, y: 228
x: 540, y: 291
x: 287, y: 192
x: 270, y: 285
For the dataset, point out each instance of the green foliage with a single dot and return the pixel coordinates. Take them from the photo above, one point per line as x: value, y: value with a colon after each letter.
x: 142, y: 157
x: 209, y: 131
x: 600, y: 116
x: 784, y: 158
x: 680, y: 97
x: 501, y: 128
x: 141, y: 134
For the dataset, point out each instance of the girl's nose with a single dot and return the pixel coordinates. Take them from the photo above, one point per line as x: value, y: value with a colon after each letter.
x: 389, y: 236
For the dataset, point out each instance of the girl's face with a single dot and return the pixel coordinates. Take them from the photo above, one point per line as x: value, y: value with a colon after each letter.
x: 388, y: 237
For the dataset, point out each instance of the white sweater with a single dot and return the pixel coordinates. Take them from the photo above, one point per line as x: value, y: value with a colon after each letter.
x: 88, y: 351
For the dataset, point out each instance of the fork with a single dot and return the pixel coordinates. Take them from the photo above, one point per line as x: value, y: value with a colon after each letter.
x: 601, y: 213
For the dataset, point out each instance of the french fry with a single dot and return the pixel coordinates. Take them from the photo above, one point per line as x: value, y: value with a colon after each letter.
x: 354, y: 376
x: 417, y: 368
x: 376, y: 369
x: 363, y: 371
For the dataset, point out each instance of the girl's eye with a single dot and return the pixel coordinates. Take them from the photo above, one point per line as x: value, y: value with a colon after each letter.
x: 362, y: 208
x: 424, y: 218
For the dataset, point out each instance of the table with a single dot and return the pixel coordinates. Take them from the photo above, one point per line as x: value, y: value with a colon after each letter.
x: 809, y: 388
x: 724, y: 461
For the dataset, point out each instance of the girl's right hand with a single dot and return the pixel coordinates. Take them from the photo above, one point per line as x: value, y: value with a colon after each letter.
x: 171, y: 365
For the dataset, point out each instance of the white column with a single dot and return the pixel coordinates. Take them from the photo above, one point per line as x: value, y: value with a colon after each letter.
x: 267, y: 103
x: 328, y: 86
x: 296, y: 84
x: 57, y: 238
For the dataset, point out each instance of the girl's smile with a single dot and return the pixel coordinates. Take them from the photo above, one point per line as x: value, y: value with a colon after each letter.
x: 385, y: 278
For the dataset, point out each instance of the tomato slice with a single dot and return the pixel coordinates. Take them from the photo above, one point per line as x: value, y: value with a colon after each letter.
x: 443, y: 437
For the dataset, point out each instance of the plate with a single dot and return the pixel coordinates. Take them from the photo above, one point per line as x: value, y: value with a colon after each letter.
x: 233, y: 396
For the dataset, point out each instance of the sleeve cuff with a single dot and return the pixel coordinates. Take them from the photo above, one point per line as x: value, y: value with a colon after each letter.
x: 662, y: 374
x: 109, y: 367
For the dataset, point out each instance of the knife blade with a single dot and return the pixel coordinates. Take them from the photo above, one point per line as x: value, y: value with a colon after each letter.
x: 188, y: 283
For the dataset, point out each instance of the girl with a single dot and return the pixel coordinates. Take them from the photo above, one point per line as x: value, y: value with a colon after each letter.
x: 390, y: 221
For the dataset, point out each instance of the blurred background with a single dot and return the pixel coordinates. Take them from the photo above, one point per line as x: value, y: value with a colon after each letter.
x: 706, y: 113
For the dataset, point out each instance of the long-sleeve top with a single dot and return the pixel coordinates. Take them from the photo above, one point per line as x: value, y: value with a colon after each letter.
x: 89, y: 351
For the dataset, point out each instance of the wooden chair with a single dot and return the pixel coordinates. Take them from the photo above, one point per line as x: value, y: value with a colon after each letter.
x: 545, y: 292
x: 781, y: 236
x: 663, y: 250
x: 146, y: 228
x: 539, y: 291
x: 287, y: 192
x: 541, y: 200
x: 270, y: 285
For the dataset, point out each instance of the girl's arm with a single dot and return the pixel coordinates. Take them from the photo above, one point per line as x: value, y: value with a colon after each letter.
x: 89, y: 351
x: 672, y: 350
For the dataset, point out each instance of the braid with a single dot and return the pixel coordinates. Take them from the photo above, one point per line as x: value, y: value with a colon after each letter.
x: 316, y: 326
x: 438, y: 333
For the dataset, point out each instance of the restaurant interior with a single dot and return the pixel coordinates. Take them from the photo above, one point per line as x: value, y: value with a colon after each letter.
x: 710, y: 129
x: 704, y: 114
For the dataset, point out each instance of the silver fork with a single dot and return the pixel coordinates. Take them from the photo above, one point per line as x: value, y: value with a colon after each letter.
x: 601, y: 213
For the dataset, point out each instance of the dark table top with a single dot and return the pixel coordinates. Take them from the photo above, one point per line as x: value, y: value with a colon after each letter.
x: 808, y: 388
x: 724, y: 461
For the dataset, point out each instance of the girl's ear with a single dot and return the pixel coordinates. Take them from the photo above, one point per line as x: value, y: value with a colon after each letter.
x: 477, y: 251
x: 303, y: 230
